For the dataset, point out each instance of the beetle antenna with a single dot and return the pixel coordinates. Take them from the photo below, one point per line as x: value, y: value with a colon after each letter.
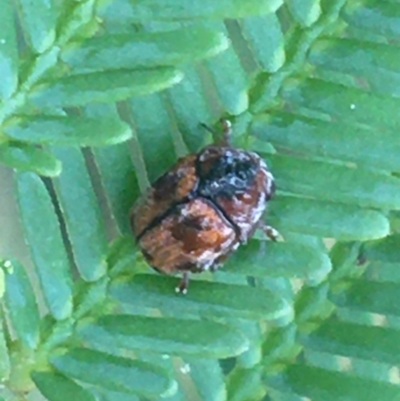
x: 226, y: 131
x: 208, y: 128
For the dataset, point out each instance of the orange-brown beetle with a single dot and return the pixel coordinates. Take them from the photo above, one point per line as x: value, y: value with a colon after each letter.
x: 202, y: 209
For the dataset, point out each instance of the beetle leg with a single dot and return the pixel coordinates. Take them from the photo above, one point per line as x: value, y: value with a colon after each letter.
x: 270, y: 232
x: 184, y: 284
x: 215, y: 267
x: 218, y: 263
x: 226, y: 132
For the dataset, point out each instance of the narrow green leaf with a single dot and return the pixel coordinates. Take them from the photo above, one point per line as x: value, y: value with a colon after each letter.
x: 280, y: 344
x: 321, y: 384
x: 230, y: 80
x: 374, y: 15
x: 307, y: 240
x: 89, y: 296
x: 191, y: 107
x: 7, y: 395
x: 165, y: 335
x: 305, y: 12
x: 154, y: 134
x: 208, y: 379
x: 371, y: 296
x: 382, y: 271
x: 42, y: 232
x: 171, y: 10
x: 178, y: 396
x: 2, y: 282
x: 252, y: 330
x: 204, y: 298
x: 395, y: 221
x: 82, y: 214
x: 259, y: 29
x: 348, y: 105
x: 347, y: 56
x: 280, y: 259
x: 20, y: 302
x: 122, y: 256
x: 283, y: 395
x: 245, y: 384
x: 38, y: 67
x: 145, y: 49
x: 79, y: 20
x: 334, y: 140
x: 106, y: 86
x: 117, y: 172
x: 8, y: 50
x: 115, y: 373
x: 363, y: 368
x: 346, y: 258
x: 56, y: 387
x: 335, y: 220
x: 119, y: 180
x: 312, y: 304
x: 164, y: 362
x: 336, y: 183
x: 4, y: 360
x: 38, y: 20
x: 107, y: 395
x: 385, y: 249
x: 357, y: 341
x: 26, y: 157
x: 69, y: 130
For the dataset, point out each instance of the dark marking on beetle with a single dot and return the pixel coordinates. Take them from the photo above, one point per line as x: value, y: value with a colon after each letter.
x: 166, y: 184
x: 229, y: 174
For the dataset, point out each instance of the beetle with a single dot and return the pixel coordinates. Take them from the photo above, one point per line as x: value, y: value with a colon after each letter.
x: 200, y: 211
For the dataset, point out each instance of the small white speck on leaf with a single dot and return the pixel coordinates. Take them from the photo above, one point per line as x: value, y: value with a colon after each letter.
x: 185, y: 369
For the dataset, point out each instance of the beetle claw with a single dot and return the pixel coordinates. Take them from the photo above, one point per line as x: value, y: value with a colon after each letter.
x: 182, y: 288
x: 271, y: 232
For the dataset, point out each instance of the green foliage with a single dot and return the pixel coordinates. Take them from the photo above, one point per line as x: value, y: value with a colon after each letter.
x: 312, y: 85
